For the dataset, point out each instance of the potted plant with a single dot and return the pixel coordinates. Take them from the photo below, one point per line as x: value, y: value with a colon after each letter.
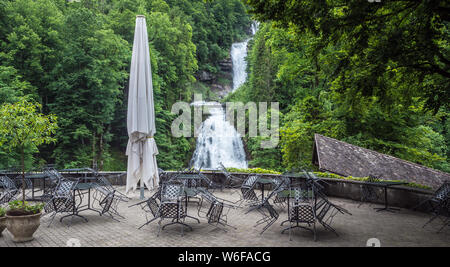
x: 2, y: 220
x: 23, y: 219
x: 23, y: 126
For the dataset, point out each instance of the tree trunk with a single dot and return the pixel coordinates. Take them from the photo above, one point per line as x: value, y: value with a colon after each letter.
x: 100, y: 156
x: 23, y: 175
x: 94, y: 162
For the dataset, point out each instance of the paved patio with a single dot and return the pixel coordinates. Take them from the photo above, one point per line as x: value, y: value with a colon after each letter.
x: 402, y: 229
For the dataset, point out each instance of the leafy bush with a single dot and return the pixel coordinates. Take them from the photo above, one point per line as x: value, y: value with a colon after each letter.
x: 2, y: 212
x: 18, y: 207
x: 254, y: 170
x: 364, y: 179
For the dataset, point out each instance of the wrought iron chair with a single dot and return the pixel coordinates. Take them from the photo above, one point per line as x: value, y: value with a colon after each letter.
x: 272, y: 215
x: 368, y: 192
x: 217, y: 211
x: 326, y: 211
x: 107, y: 201
x: 279, y: 183
x: 173, y: 206
x: 248, y: 191
x: 54, y: 177
x: 63, y: 200
x: 439, y: 205
x: 269, y: 218
x: 102, y: 181
x: 150, y: 206
x: 229, y: 178
x: 281, y: 195
x: 301, y: 210
x: 9, y: 192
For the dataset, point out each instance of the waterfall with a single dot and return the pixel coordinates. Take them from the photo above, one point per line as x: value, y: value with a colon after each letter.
x: 218, y: 141
x: 238, y: 55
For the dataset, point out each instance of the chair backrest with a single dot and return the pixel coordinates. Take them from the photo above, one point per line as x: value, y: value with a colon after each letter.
x: 250, y: 181
x: 298, y: 194
x: 205, y: 194
x: 215, y: 212
x: 65, y: 188
x: 279, y: 186
x: 272, y: 212
x: 103, y: 181
x: 301, y: 206
x: 443, y: 192
x: 53, y: 175
x: 171, y: 191
x: 152, y: 206
x: 209, y: 183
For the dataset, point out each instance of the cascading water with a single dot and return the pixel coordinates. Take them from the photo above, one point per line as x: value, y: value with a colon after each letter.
x: 238, y: 55
x: 218, y: 141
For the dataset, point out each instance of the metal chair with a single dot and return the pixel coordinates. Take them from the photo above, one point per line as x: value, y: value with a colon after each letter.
x: 272, y: 215
x: 217, y: 211
x: 63, y: 201
x: 281, y: 195
x: 9, y: 192
x: 248, y: 191
x: 229, y: 178
x: 326, y: 211
x: 105, y: 183
x: 269, y: 218
x: 439, y: 205
x: 173, y: 206
x: 150, y: 206
x: 276, y: 190
x: 54, y: 177
x: 301, y: 210
x: 108, y: 202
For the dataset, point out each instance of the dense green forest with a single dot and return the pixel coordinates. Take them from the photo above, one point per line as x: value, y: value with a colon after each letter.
x: 74, y: 59
x: 375, y: 75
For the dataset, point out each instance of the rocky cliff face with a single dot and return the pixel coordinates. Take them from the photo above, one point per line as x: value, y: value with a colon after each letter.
x: 220, y: 83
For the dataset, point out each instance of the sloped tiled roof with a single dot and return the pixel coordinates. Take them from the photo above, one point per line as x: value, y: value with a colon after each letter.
x: 341, y: 158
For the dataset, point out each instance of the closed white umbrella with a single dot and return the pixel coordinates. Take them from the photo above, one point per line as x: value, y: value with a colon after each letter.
x: 141, y: 148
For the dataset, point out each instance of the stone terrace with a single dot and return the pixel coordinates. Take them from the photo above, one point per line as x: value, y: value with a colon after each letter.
x: 403, y: 228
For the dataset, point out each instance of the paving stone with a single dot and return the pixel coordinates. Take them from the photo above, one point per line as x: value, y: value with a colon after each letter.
x: 403, y: 228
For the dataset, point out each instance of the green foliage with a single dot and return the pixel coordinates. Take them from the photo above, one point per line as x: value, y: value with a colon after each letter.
x: 386, y: 50
x: 302, y: 71
x: 364, y: 179
x: 25, y: 206
x: 73, y: 58
x: 2, y: 212
x: 21, y: 125
x: 253, y: 170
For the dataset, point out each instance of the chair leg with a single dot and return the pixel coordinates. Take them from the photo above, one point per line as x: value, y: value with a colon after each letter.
x: 147, y: 223
x: 52, y: 218
x: 314, y: 227
x: 159, y: 228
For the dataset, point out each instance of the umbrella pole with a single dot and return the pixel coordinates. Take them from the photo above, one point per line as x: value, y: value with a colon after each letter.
x: 142, y: 190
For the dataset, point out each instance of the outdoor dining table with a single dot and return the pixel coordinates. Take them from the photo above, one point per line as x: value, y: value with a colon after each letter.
x: 385, y: 185
x: 33, y: 177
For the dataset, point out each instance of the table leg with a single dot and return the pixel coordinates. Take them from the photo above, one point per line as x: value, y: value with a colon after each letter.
x: 32, y: 189
x: 386, y: 206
